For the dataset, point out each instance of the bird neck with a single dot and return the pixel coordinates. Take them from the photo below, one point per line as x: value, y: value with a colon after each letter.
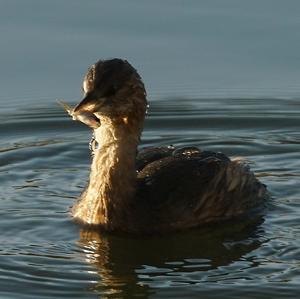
x: 112, y: 182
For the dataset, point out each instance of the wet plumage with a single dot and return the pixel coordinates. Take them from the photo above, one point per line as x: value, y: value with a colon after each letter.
x: 195, y: 187
x: 157, y: 189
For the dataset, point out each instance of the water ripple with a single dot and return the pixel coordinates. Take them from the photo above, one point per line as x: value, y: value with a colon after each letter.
x: 44, y: 165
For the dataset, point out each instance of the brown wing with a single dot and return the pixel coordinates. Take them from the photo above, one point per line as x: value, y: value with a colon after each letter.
x: 186, y: 190
x: 151, y: 154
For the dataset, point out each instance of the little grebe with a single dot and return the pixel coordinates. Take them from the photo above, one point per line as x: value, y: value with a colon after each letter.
x: 158, y: 189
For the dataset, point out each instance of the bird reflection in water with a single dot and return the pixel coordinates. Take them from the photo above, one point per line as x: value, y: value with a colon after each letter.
x: 127, y: 266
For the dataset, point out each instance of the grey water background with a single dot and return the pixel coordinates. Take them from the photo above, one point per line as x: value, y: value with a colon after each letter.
x: 222, y: 75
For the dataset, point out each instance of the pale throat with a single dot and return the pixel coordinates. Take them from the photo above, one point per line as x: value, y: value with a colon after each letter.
x: 113, y: 173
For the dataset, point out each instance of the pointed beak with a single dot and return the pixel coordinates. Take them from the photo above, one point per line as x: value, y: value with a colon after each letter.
x: 88, y: 103
x: 84, y: 111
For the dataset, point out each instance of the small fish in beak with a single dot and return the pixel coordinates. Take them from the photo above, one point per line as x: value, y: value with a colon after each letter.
x: 86, y: 117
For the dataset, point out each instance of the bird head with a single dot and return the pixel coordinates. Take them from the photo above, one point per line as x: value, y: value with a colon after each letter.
x: 113, y: 89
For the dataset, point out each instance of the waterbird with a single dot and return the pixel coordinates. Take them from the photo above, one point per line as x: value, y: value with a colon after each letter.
x: 157, y: 189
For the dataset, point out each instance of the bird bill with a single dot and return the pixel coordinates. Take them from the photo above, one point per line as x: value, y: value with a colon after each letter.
x: 85, y: 117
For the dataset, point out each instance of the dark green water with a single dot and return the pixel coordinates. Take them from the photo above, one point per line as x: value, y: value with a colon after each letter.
x: 222, y: 75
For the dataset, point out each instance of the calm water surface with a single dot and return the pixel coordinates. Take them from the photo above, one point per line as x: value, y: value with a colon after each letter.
x: 224, y: 77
